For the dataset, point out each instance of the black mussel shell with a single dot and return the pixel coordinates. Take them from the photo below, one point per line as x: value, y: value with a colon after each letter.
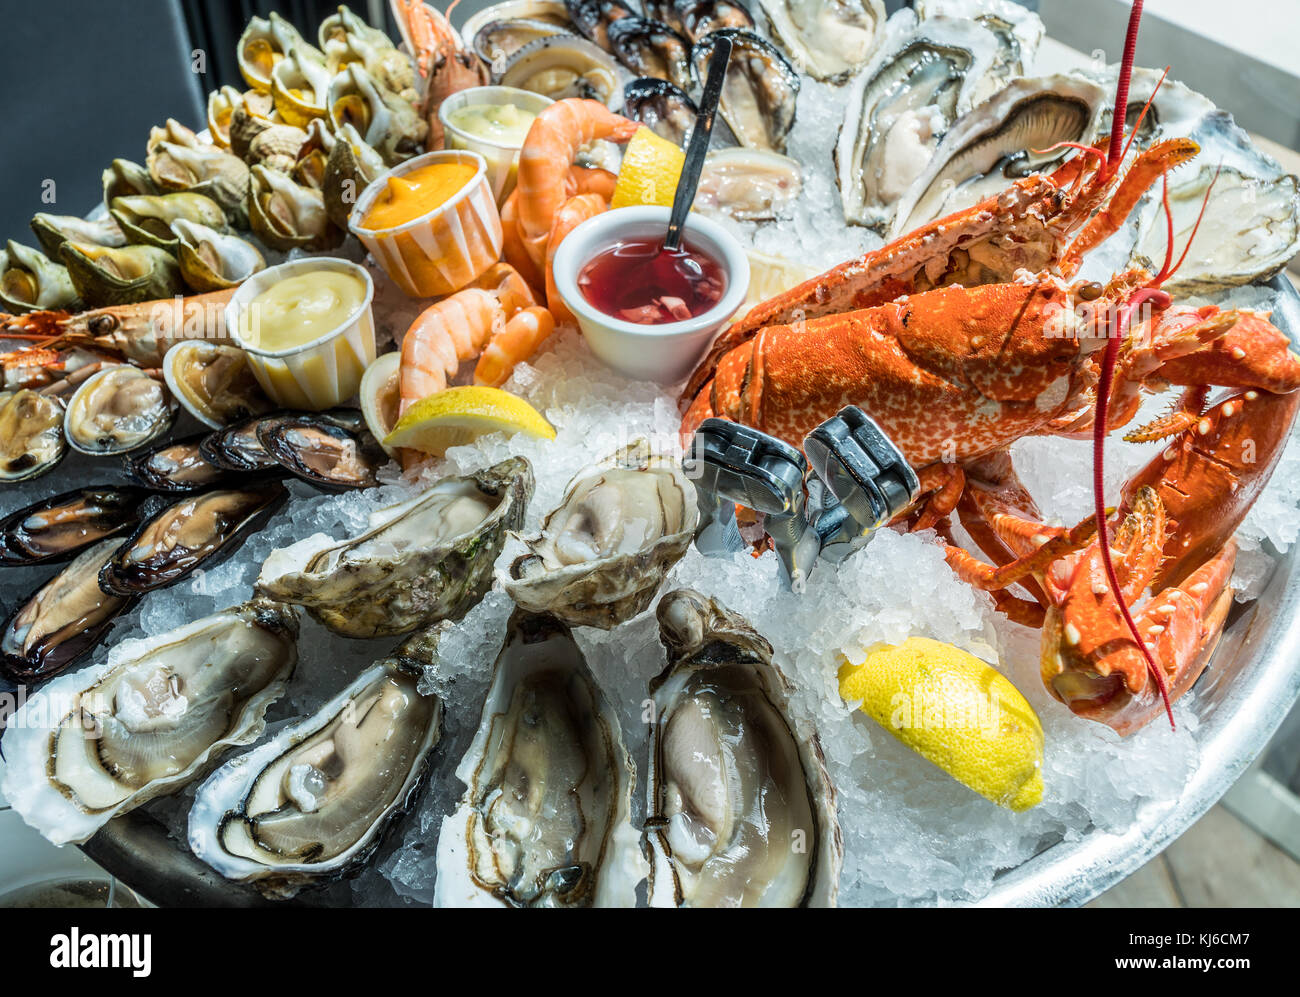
x: 226, y: 518
x: 55, y: 529
x: 651, y: 48
x: 71, y: 614
x: 697, y: 18
x: 177, y: 466
x: 662, y: 10
x: 237, y: 447
x: 593, y: 17
x: 663, y: 107
x: 321, y: 453
x: 770, y: 78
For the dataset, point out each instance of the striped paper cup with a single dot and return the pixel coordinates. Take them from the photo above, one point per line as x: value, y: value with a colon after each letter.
x: 442, y: 251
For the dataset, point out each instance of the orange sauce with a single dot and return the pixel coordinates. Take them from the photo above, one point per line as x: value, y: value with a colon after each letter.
x: 408, y: 197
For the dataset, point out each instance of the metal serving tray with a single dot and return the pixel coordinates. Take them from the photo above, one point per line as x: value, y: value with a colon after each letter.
x: 1250, y: 686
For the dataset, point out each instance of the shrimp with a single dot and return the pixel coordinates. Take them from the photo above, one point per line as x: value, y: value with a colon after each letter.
x: 455, y: 329
x: 513, y: 244
x: 574, y: 212
x: 546, y: 179
x: 515, y: 343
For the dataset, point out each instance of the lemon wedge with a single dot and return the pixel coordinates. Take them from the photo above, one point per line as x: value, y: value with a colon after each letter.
x: 461, y: 415
x: 651, y: 168
x: 958, y: 712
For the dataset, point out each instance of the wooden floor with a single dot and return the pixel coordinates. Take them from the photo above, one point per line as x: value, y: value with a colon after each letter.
x: 1219, y: 862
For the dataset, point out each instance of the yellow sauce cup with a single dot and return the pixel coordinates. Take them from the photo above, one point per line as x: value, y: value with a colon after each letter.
x: 440, y: 251
x: 502, y: 160
x: 324, y: 372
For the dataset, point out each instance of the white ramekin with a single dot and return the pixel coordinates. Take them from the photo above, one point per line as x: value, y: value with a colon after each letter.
x: 665, y: 353
x: 320, y: 374
x: 502, y: 160
x: 440, y: 251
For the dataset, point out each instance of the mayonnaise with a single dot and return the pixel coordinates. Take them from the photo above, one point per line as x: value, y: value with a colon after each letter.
x: 301, y: 309
x: 504, y: 124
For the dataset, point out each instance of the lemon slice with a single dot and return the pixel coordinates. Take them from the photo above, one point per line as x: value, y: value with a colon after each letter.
x: 770, y: 276
x: 958, y: 712
x: 651, y: 168
x: 458, y: 416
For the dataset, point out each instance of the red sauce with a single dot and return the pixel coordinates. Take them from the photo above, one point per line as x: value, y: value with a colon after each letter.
x: 638, y: 280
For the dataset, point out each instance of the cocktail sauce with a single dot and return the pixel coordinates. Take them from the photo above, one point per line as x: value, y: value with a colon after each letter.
x: 638, y: 280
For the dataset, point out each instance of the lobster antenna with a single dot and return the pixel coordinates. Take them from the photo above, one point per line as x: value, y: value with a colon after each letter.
x: 1115, y: 155
x: 1132, y: 136
x: 1167, y: 271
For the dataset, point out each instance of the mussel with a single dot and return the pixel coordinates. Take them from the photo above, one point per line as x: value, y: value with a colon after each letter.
x: 57, y: 528
x: 31, y: 434
x: 663, y: 107
x: 651, y: 48
x: 176, y: 466
x: 762, y: 88
x: 594, y: 17
x: 322, y: 453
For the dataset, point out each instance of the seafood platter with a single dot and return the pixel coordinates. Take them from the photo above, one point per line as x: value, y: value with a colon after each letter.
x: 391, y: 516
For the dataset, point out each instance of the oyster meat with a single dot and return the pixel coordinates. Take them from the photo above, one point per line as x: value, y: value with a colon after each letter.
x: 31, y: 434
x: 651, y: 48
x: 603, y: 553
x: 921, y: 80
x: 314, y: 802
x: 748, y: 184
x: 740, y: 809
x: 761, y: 90
x: 426, y: 559
x: 213, y: 382
x: 828, y: 39
x: 1017, y: 28
x: 118, y: 410
x: 545, y: 819
x: 55, y: 529
x: 99, y: 742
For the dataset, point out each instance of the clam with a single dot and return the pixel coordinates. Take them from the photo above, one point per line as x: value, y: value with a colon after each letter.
x: 1018, y: 31
x: 313, y: 803
x: 124, y: 178
x: 651, y: 48
x: 321, y: 453
x: 263, y: 44
x: 31, y: 434
x: 664, y: 108
x: 387, y: 122
x: 277, y: 148
x: 565, y: 66
x: 545, y: 818
x: 602, y: 555
x: 117, y: 410
x: 198, y: 531
x: 697, y: 18
x: 761, y: 90
x: 211, y: 260
x: 147, y: 220
x: 221, y: 109
x: 55, y: 529
x: 251, y: 116
x: 740, y: 807
x: 206, y: 170
x: 922, y: 79
x: 54, y: 230
x: 594, y: 17
x: 176, y: 466
x: 422, y: 560
x: 97, y: 743
x: 828, y: 39
x: 497, y: 41
x: 748, y: 184
x: 351, y: 166
x: 286, y: 215
x: 1011, y: 135
x: 213, y: 382
x: 62, y: 620
x: 31, y: 281
x: 105, y: 276
x: 551, y: 12
x: 299, y: 83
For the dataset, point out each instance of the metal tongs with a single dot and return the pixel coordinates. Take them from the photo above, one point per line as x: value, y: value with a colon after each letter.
x: 859, y: 482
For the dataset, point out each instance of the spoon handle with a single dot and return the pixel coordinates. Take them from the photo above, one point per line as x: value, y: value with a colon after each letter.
x: 699, y: 145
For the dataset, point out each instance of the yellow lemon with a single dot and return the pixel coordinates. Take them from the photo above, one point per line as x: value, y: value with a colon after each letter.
x: 458, y: 416
x: 651, y: 168
x: 958, y: 712
x: 770, y: 276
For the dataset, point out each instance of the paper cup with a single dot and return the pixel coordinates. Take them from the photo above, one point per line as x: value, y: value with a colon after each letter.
x: 320, y: 374
x: 440, y: 252
x: 502, y: 160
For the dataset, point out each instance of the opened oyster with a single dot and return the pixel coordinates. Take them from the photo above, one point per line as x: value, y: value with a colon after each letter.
x: 97, y: 743
x: 921, y: 80
x: 761, y: 90
x: 57, y: 528
x: 603, y: 553
x: 31, y: 434
x: 31, y: 281
x: 426, y: 559
x: 741, y: 810
x: 1018, y: 31
x: 545, y: 819
x: 748, y: 184
x: 176, y: 466
x: 214, y: 382
x: 62, y: 620
x: 117, y: 410
x: 565, y: 66
x: 314, y: 802
x: 651, y: 48
x: 828, y: 39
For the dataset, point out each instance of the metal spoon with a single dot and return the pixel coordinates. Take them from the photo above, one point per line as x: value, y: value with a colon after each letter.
x: 699, y: 145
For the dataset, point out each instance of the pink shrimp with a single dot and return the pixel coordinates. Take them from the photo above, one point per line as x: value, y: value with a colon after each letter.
x: 511, y: 346
x: 444, y: 334
x: 574, y: 212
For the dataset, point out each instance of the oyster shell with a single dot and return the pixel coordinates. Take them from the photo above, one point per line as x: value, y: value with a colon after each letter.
x: 388, y: 123
x: 594, y: 17
x: 651, y: 48
x: 664, y: 108
x: 57, y: 528
x: 299, y: 84
x: 740, y: 808
x: 147, y: 220
x: 1017, y: 28
x: 565, y: 66
x: 106, y: 276
x: 286, y: 215
x: 603, y: 553
x: 314, y: 802
x: 544, y: 821
x: 425, y: 559
x: 263, y: 44
x: 995, y: 144
x: 62, y: 620
x: 198, y: 531
x: 697, y: 18
x: 827, y: 39
x: 922, y: 79
x: 54, y: 230
x: 212, y: 260
x: 761, y: 90
x: 31, y: 434
x: 320, y: 452
x: 748, y: 184
x: 117, y: 410
x: 176, y: 466
x: 214, y: 383
x: 30, y: 281
x: 147, y: 721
